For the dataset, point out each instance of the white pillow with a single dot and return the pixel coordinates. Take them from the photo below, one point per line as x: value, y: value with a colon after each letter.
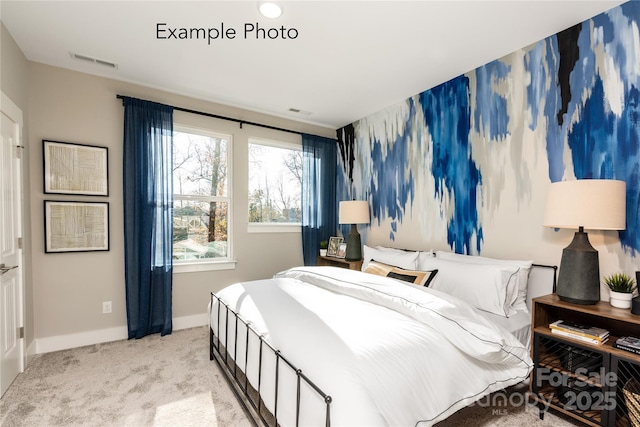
x: 421, y: 254
x: 425, y: 256
x: 488, y: 287
x: 522, y: 278
x: 395, y: 257
x: 388, y: 249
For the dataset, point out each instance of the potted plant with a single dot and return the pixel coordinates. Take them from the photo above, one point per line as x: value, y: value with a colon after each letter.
x: 323, y: 247
x: 621, y: 288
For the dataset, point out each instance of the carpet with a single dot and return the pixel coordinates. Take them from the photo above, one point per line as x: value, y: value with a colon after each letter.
x: 154, y: 381
x: 170, y: 381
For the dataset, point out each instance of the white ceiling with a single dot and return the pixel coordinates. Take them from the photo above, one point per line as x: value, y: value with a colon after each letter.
x: 350, y: 58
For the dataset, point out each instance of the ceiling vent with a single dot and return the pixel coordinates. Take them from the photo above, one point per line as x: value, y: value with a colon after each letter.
x: 94, y: 60
x: 298, y: 111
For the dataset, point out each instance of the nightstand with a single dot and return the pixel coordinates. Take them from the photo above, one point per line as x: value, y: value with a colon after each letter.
x: 584, y: 381
x: 339, y: 262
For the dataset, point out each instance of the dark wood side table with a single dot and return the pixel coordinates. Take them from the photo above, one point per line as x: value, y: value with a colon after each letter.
x: 584, y: 381
x: 339, y: 262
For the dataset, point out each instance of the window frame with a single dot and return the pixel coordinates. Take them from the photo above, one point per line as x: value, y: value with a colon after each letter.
x: 209, y: 264
x: 271, y: 227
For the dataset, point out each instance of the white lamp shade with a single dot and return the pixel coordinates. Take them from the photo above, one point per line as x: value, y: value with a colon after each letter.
x: 595, y: 204
x: 353, y: 212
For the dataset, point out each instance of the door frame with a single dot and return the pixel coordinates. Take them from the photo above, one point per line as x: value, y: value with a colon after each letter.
x: 11, y: 110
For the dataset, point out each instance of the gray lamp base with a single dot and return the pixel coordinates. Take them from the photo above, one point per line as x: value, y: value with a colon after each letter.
x: 579, y: 276
x: 354, y: 246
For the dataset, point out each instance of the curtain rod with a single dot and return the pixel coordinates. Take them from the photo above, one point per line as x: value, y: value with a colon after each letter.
x: 231, y: 119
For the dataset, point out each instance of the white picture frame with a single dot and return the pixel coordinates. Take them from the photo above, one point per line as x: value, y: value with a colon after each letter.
x: 334, y: 243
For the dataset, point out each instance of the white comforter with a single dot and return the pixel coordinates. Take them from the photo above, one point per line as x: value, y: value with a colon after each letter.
x: 388, y: 353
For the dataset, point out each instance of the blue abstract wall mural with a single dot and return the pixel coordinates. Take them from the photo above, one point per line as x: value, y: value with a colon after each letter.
x: 451, y: 160
x: 446, y: 115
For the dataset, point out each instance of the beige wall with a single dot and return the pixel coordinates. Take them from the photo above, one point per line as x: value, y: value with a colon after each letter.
x: 69, y: 288
x: 13, y: 70
x: 13, y: 83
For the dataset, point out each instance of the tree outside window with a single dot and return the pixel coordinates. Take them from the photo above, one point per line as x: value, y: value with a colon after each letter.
x: 201, y: 217
x: 275, y: 182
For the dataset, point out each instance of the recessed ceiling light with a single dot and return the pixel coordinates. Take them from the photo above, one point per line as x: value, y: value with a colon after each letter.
x: 270, y: 9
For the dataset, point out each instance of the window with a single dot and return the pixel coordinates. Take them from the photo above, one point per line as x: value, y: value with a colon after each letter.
x: 275, y: 181
x: 202, y: 201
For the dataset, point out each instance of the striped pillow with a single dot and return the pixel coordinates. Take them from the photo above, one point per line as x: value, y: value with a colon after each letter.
x: 422, y: 278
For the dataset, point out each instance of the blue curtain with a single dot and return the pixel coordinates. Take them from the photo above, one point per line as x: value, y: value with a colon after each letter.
x: 148, y: 216
x: 319, y: 213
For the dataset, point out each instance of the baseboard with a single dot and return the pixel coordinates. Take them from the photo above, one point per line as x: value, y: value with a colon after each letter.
x: 81, y: 339
x: 31, y: 352
x: 187, y: 322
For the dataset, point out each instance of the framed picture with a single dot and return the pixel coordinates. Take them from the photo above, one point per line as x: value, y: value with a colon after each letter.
x: 342, y: 250
x: 75, y: 169
x: 76, y: 226
x: 334, y: 242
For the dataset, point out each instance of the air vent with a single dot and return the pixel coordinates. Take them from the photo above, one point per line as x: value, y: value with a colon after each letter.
x: 94, y: 60
x: 298, y: 111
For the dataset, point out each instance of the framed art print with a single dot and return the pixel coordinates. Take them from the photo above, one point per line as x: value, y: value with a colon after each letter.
x: 75, y: 169
x: 76, y: 226
x: 334, y: 242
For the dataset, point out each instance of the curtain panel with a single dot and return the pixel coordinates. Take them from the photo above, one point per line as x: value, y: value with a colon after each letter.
x: 319, y: 212
x: 148, y: 216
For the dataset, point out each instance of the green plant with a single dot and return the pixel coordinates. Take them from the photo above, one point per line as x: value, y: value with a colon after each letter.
x: 324, y: 244
x: 620, y: 282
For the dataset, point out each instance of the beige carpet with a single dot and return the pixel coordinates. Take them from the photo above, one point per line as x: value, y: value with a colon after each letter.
x: 165, y: 381
x: 154, y: 381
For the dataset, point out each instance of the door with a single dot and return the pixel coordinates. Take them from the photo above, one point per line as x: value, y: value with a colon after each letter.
x: 11, y: 270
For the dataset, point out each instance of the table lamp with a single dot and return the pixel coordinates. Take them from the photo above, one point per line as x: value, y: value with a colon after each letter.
x: 353, y: 212
x: 595, y: 204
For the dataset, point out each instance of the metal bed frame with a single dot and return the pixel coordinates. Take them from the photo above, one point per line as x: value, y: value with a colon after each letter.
x: 254, y: 406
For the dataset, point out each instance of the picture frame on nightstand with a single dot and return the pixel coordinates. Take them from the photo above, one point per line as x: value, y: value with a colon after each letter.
x: 342, y: 250
x: 334, y: 243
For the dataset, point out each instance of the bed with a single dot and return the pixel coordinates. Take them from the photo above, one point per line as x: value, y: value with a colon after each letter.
x: 331, y: 346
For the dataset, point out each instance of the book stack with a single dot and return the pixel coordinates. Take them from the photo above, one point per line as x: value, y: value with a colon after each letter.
x: 586, y: 334
x: 631, y: 344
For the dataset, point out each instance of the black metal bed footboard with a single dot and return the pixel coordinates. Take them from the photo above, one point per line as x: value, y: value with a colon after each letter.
x: 250, y: 396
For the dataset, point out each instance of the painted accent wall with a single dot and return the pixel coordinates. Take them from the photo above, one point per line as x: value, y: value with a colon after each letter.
x: 465, y: 166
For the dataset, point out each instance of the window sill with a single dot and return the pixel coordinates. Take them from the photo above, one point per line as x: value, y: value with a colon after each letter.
x: 204, y: 266
x: 261, y: 227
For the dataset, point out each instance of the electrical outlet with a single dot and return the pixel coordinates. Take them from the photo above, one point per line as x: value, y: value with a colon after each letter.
x: 106, y: 307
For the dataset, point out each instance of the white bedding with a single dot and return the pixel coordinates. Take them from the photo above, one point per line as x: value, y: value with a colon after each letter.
x: 518, y: 324
x: 388, y: 353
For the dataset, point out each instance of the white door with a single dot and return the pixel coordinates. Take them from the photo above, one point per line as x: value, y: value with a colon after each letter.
x: 11, y: 270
